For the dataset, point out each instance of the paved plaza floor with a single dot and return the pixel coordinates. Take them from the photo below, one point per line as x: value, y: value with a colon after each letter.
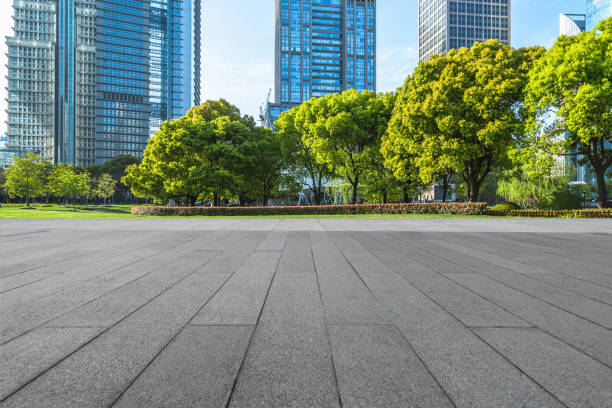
x: 260, y: 312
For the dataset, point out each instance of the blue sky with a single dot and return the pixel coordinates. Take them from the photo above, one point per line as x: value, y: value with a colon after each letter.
x: 238, y: 44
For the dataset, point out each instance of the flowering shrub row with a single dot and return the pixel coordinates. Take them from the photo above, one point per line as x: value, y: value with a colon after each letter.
x: 599, y: 213
x: 412, y: 208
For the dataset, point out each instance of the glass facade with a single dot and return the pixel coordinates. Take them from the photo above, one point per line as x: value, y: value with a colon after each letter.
x: 446, y: 25
x: 597, y: 10
x: 572, y: 24
x: 93, y: 79
x: 323, y: 47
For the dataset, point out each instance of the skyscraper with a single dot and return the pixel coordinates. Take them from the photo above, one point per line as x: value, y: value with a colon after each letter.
x: 92, y: 79
x: 571, y: 24
x: 445, y: 24
x: 322, y: 47
x: 597, y: 10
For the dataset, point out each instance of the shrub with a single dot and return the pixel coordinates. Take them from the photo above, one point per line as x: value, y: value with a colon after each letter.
x: 599, y: 213
x: 560, y: 200
x: 360, y: 209
x: 505, y: 207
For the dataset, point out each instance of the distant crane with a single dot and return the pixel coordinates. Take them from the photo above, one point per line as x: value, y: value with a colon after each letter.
x: 263, y: 110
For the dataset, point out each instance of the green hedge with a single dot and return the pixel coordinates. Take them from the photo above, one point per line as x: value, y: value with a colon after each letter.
x: 413, y: 208
x: 599, y: 213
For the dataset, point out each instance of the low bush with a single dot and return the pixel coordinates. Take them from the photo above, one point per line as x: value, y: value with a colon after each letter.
x: 359, y: 209
x: 560, y: 200
x: 505, y: 207
x: 598, y: 213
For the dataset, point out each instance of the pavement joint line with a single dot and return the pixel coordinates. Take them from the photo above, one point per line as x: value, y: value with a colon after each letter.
x: 534, y: 325
x: 248, y: 347
x: 220, y: 325
x: 518, y: 290
x: 102, y: 332
x: 105, y: 293
x: 518, y: 368
x: 449, y: 276
x: 463, y: 243
x: 43, y: 266
x: 325, y: 325
x: 161, y: 350
x: 407, y: 342
x: 487, y: 343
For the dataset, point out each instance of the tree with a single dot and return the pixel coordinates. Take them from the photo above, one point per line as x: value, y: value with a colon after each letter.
x: 24, y: 178
x: 190, y: 158
x: 528, y: 188
x: 105, y: 186
x: 460, y: 112
x: 344, y: 130
x: 298, y: 157
x: 66, y: 183
x: 572, y: 83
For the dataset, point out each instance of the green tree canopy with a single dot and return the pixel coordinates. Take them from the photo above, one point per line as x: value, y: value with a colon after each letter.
x: 25, y: 177
x: 343, y: 131
x: 459, y: 112
x: 105, y: 186
x: 573, y: 84
x: 65, y: 182
x: 299, y: 160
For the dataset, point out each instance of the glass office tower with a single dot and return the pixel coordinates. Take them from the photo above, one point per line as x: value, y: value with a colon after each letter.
x: 322, y: 47
x: 446, y: 25
x: 92, y: 79
x: 572, y: 24
x: 597, y: 10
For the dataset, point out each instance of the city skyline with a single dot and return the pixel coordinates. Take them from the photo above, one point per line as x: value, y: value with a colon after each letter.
x: 227, y: 74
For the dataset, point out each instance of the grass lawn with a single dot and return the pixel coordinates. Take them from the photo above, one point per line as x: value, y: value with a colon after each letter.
x: 124, y: 211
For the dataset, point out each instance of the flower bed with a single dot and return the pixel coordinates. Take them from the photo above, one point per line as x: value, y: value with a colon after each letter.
x: 599, y: 213
x: 412, y: 208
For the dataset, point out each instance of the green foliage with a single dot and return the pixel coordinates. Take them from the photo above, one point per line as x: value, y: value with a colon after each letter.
x: 65, y: 182
x: 211, y: 153
x: 105, y: 186
x: 505, y: 207
x: 25, y: 177
x: 299, y: 160
x: 459, y: 112
x: 343, y: 131
x: 530, y: 188
x: 572, y: 82
x: 560, y: 200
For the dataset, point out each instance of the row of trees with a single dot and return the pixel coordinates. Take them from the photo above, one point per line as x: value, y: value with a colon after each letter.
x: 31, y: 177
x: 467, y: 116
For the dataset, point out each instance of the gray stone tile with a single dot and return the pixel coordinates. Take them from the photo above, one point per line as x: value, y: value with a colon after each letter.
x: 376, y: 368
x: 108, y: 309
x: 576, y: 379
x: 501, y: 270
x: 287, y: 366
x: 98, y: 373
x: 466, y: 367
x: 590, y: 338
x: 32, y: 354
x: 297, y: 254
x: 274, y: 241
x: 346, y: 300
x: 197, y: 369
x: 241, y: 298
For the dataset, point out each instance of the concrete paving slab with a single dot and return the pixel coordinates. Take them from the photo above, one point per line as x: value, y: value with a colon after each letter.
x: 375, y: 367
x: 197, y: 369
x: 576, y: 379
x: 586, y: 336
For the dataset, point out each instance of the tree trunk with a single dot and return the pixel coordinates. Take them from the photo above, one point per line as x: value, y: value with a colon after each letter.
x: 602, y: 188
x: 406, y: 198
x: 384, y: 197
x: 354, y: 198
x: 216, y: 201
x: 473, y: 189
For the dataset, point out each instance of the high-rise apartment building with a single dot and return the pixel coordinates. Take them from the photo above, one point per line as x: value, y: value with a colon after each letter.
x: 322, y: 47
x: 92, y: 79
x: 446, y: 24
x: 597, y: 10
